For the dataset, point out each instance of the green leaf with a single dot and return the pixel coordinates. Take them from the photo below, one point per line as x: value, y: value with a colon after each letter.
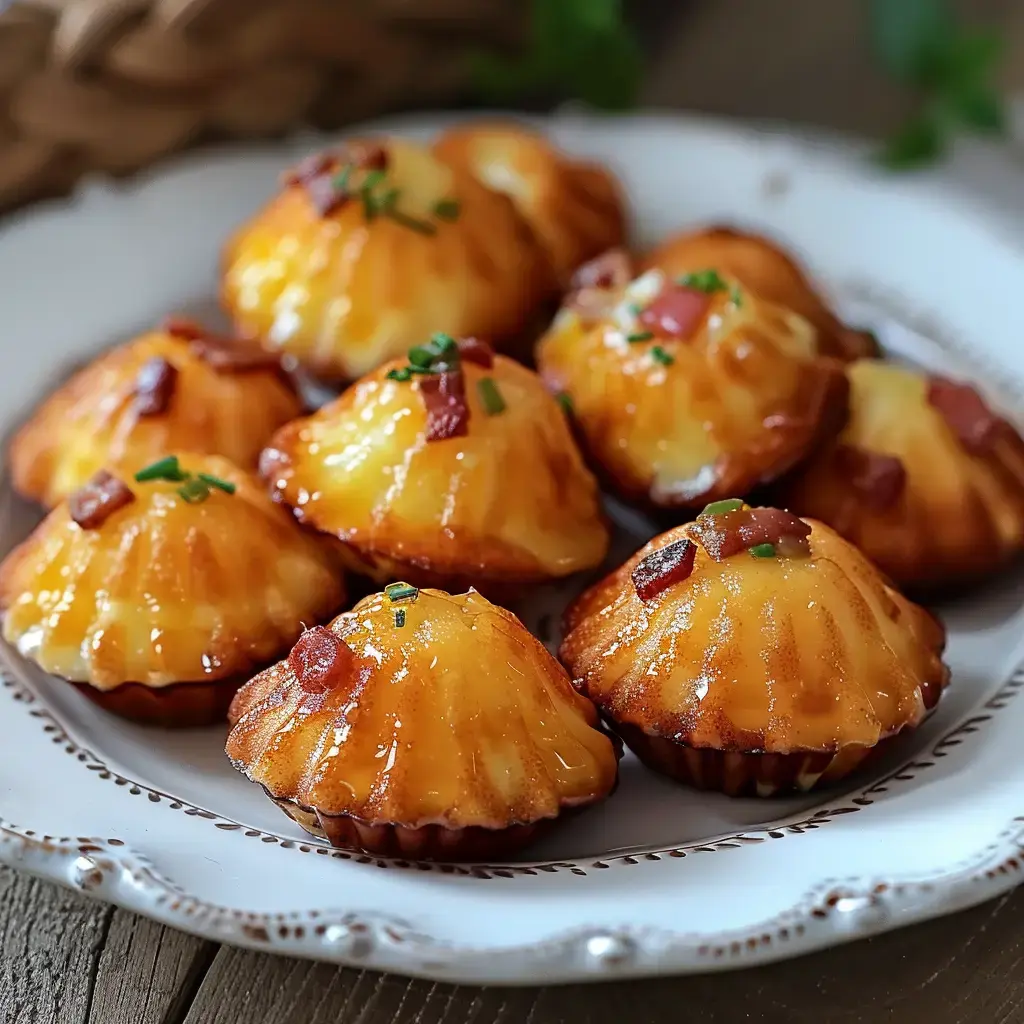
x: 906, y: 35
x: 980, y: 108
x: 971, y: 57
x: 919, y: 142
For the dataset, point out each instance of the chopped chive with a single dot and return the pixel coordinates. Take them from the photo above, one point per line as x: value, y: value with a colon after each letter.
x: 399, y: 617
x: 736, y: 296
x: 340, y: 181
x: 659, y: 355
x: 194, y: 491
x: 447, y: 209
x: 385, y: 202
x: 215, y: 481
x: 490, y: 396
x: 706, y: 281
x: 400, y: 592
x: 717, y: 508
x: 565, y: 401
x: 639, y: 336
x: 421, y: 356
x: 402, y: 374
x: 443, y: 342
x: 166, y: 469
x: 372, y: 180
x: 422, y: 226
x: 763, y: 550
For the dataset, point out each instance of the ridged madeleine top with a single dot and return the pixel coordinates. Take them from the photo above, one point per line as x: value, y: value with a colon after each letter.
x: 167, y: 591
x: 342, y: 293
x: 683, y: 421
x: 575, y: 208
x: 749, y: 654
x: 97, y: 418
x: 511, y: 500
x: 766, y: 269
x: 926, y: 505
x: 459, y: 717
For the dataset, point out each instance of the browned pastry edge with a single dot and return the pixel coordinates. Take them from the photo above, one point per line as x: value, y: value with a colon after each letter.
x: 177, y: 706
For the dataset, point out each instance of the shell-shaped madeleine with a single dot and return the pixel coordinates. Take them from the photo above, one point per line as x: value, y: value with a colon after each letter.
x: 456, y: 720
x: 766, y: 269
x: 575, y: 208
x: 344, y: 284
x: 510, y: 501
x: 733, y: 400
x: 810, y: 653
x: 141, y: 400
x: 164, y: 590
x: 925, y: 479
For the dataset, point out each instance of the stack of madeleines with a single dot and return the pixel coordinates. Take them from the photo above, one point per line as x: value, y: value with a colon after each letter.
x: 204, y: 530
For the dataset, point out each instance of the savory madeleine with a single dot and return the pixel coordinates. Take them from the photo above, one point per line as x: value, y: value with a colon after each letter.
x: 373, y: 246
x: 160, y: 596
x: 766, y: 269
x: 753, y: 652
x: 684, y: 393
x: 925, y: 478
x: 458, y: 469
x: 575, y: 208
x: 422, y: 725
x: 178, y: 388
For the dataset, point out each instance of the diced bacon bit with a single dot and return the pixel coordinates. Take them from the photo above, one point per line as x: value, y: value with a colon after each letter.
x: 444, y: 395
x: 878, y: 479
x: 966, y: 413
x: 729, y: 533
x: 664, y: 568
x: 220, y: 352
x: 367, y: 156
x: 676, y: 311
x: 318, y: 174
x: 310, y: 167
x: 612, y: 269
x: 325, y: 195
x: 91, y: 505
x: 154, y: 386
x: 320, y: 660
x: 473, y: 350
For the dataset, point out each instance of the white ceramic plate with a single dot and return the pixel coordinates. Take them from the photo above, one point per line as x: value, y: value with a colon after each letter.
x: 659, y: 879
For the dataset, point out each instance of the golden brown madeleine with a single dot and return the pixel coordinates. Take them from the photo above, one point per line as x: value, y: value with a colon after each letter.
x: 463, y: 472
x: 422, y: 725
x: 161, y: 596
x: 925, y: 479
x: 575, y: 208
x: 753, y: 652
x: 766, y: 269
x: 176, y: 389
x: 374, y: 246
x: 684, y: 394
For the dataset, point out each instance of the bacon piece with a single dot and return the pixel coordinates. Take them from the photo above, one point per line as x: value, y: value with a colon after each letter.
x: 966, y: 413
x: 675, y: 312
x: 444, y: 395
x: 878, y: 479
x: 310, y: 167
x: 320, y: 660
x: 367, y: 156
x: 222, y: 353
x: 664, y: 568
x: 725, y: 535
x: 92, y: 504
x: 324, y: 194
x: 612, y: 269
x: 473, y: 350
x: 154, y: 386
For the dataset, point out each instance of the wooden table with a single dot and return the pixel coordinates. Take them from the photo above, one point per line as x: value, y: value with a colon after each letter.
x: 66, y: 959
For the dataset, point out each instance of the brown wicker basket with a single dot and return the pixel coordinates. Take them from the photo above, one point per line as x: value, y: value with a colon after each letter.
x: 112, y: 85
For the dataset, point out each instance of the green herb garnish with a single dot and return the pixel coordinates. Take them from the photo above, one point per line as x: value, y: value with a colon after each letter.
x: 490, y: 396
x: 401, y: 375
x: 399, y: 617
x: 421, y: 356
x: 565, y: 401
x: 165, y: 469
x: 659, y: 355
x: 736, y: 296
x: 447, y: 209
x: 215, y: 481
x: 439, y: 354
x: 396, y: 592
x: 639, y: 336
x: 194, y: 491
x: 707, y: 281
x: 763, y: 550
x: 424, y: 227
x: 717, y: 508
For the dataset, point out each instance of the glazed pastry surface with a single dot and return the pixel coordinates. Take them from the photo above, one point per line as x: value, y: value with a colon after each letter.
x: 343, y: 294
x: 459, y: 717
x: 510, y: 500
x: 766, y: 269
x: 164, y: 590
x: 776, y: 655
x: 575, y: 208
x: 959, y: 512
x: 94, y: 420
x: 733, y: 405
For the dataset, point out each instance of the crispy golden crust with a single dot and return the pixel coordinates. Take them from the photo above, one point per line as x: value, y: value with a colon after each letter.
x: 960, y: 515
x: 511, y: 502
x: 94, y: 419
x: 342, y: 294
x: 479, y: 723
x: 759, y: 655
x: 576, y: 209
x: 165, y: 591
x: 766, y: 269
x: 743, y: 400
